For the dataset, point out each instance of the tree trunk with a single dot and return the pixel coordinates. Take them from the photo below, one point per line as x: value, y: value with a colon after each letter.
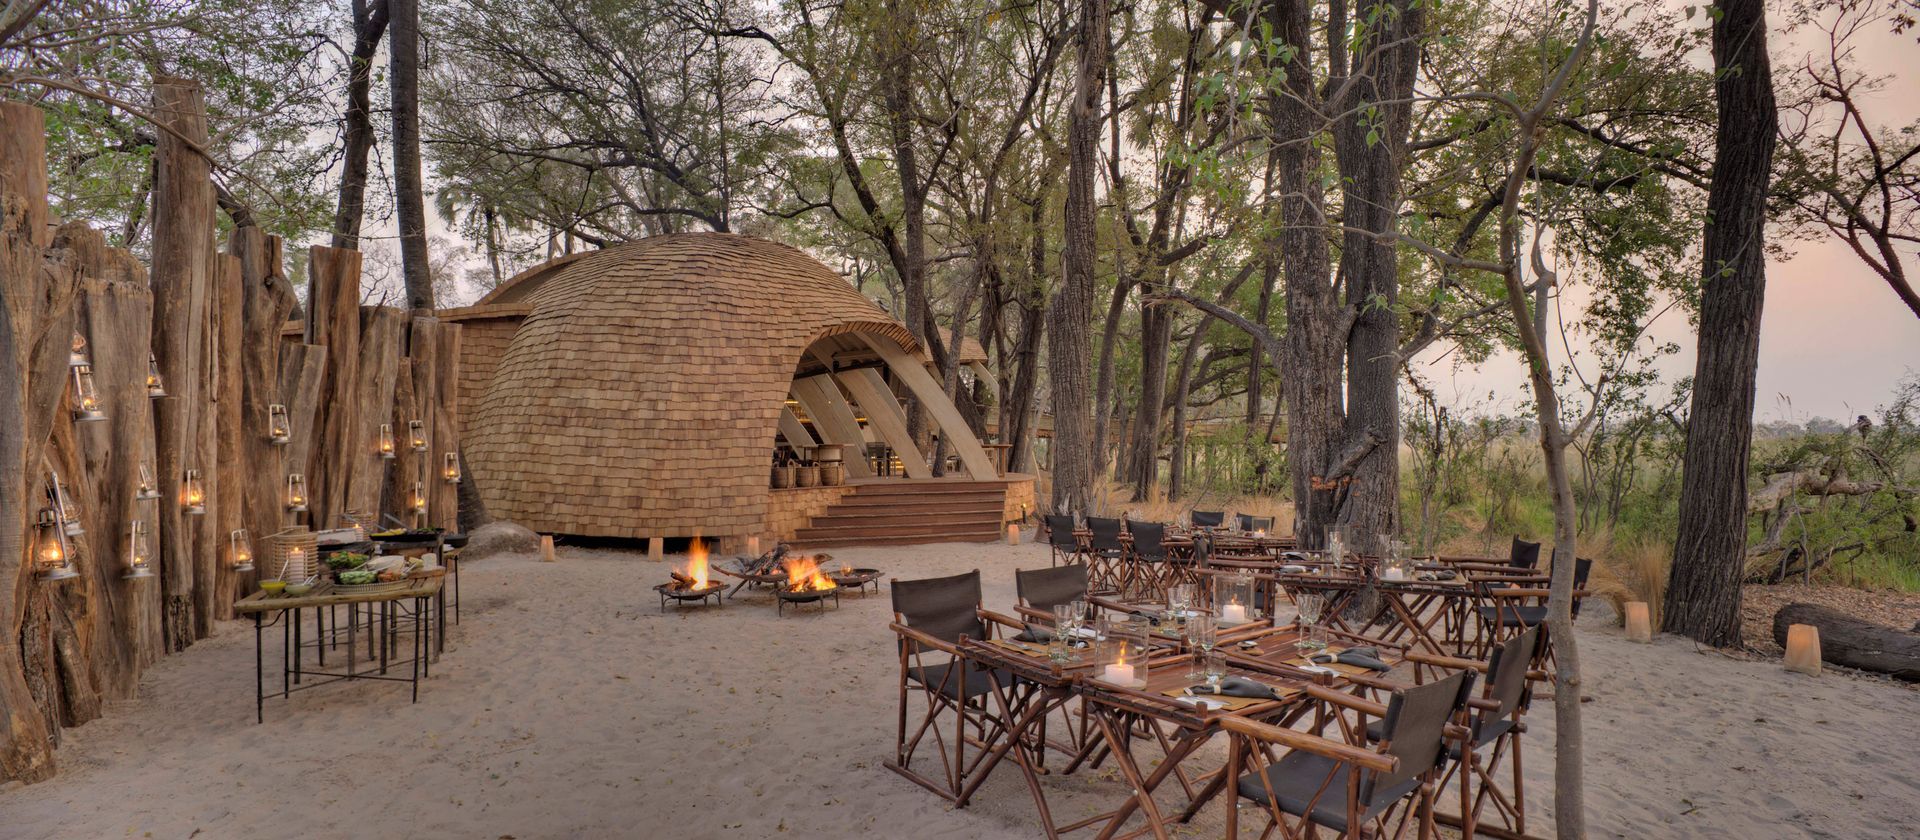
x: 1709, y: 554
x: 1072, y: 449
x: 1103, y: 385
x: 1845, y: 640
x: 1156, y: 332
x: 369, y: 21
x: 1019, y: 399
x: 403, y: 49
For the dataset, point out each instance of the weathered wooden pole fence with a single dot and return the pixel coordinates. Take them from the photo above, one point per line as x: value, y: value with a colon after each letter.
x: 169, y: 406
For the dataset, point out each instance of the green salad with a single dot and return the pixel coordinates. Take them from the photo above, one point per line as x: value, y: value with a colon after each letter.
x: 357, y: 577
x: 346, y: 560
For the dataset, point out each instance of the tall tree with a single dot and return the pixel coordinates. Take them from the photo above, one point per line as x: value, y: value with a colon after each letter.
x: 1709, y: 561
x: 369, y: 24
x: 403, y: 49
x: 1072, y: 312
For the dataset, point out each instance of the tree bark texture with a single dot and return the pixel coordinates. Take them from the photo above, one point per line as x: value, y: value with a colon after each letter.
x: 1067, y: 322
x: 403, y: 50
x: 1709, y: 555
x: 369, y: 23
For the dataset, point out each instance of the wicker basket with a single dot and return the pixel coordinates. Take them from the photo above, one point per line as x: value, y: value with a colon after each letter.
x: 783, y: 476
x: 832, y: 475
x: 292, y: 555
x: 806, y: 476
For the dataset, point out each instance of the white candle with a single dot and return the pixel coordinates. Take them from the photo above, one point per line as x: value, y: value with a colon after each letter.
x: 1233, y: 614
x: 1118, y: 673
x: 1393, y: 574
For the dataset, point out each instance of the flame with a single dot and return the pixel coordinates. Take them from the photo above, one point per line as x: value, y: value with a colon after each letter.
x: 697, y: 564
x: 803, y: 575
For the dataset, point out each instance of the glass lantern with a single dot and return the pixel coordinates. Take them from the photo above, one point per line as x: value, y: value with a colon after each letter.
x: 1120, y: 652
x: 420, y: 498
x: 1233, y: 598
x: 86, y: 398
x: 155, y: 387
x: 242, y: 550
x: 279, y: 430
x: 64, y: 506
x: 193, y: 494
x: 452, y: 469
x: 417, y: 435
x: 1396, y: 565
x: 386, y: 441
x: 139, y: 554
x: 146, y: 491
x: 51, y: 560
x: 296, y: 492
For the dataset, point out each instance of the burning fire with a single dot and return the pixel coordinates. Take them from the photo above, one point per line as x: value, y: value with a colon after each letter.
x: 697, y: 565
x: 803, y: 575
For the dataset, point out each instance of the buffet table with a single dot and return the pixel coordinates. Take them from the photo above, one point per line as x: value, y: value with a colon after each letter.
x: 385, y: 608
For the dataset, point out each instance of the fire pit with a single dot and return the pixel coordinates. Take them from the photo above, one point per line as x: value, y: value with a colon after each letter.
x: 857, y: 580
x: 806, y: 584
x: 692, y: 585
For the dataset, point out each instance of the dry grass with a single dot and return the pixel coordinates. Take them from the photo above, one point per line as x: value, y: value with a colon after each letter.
x: 1636, y: 571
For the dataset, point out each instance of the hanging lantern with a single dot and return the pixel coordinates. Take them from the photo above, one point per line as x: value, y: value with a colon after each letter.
x: 452, y: 470
x: 386, y: 441
x: 50, y: 558
x: 296, y: 492
x: 139, y: 557
x: 147, y: 490
x: 155, y: 387
x: 78, y: 354
x: 417, y: 434
x: 68, y: 512
x: 279, y: 431
x: 86, y: 399
x: 242, y: 550
x: 419, y: 498
x: 193, y: 494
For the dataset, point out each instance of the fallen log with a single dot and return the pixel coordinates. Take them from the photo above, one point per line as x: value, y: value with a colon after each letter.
x: 1848, y: 641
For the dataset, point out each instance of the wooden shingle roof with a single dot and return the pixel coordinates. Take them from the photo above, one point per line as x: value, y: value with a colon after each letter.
x: 641, y: 394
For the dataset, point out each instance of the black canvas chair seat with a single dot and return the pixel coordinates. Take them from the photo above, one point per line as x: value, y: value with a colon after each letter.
x: 1044, y: 589
x: 1298, y: 776
x: 1254, y: 523
x: 971, y: 683
x: 1208, y: 518
x: 1526, y: 615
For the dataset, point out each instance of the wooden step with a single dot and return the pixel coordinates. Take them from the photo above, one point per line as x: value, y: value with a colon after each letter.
x: 883, y: 529
x: 842, y: 517
x: 926, y: 488
x: 912, y: 539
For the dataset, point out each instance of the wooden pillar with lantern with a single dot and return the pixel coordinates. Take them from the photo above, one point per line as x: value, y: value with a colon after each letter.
x: 266, y: 299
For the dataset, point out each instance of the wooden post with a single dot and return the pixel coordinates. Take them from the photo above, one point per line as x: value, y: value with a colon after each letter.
x: 183, y: 216
x: 301, y: 368
x: 445, y: 495
x: 381, y: 331
x: 333, y: 321
x: 266, y: 299
x: 394, y: 499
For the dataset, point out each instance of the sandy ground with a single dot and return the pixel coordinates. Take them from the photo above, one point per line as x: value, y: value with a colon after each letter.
x: 569, y: 706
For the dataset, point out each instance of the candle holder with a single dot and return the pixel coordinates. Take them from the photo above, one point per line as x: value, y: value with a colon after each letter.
x: 385, y: 444
x: 417, y: 435
x: 1013, y: 533
x: 193, y: 494
x: 242, y: 550
x: 51, y: 559
x: 451, y: 470
x: 292, y: 553
x: 279, y: 429
x: 86, y: 399
x: 420, y: 498
x: 1233, y: 598
x: 147, y: 491
x: 156, y: 388
x: 139, y: 557
x: 1120, y: 653
x: 296, y: 492
x: 1395, y: 565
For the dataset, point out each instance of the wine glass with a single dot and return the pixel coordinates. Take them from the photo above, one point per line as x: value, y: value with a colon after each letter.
x: 1309, y: 606
x: 1179, y: 598
x: 1200, y: 635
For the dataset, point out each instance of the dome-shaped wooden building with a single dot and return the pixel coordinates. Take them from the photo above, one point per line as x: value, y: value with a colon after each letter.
x: 644, y: 390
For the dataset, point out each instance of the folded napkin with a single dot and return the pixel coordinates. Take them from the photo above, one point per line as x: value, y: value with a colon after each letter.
x: 1151, y: 616
x: 1237, y: 687
x: 1362, y: 657
x: 1293, y: 570
x: 1035, y: 633
x: 1444, y: 574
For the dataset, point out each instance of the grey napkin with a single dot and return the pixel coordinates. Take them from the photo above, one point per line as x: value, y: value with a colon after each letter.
x: 1444, y: 574
x: 1237, y: 687
x: 1035, y: 633
x: 1151, y: 616
x: 1364, y: 657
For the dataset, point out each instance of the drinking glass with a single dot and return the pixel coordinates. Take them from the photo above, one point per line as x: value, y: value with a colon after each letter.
x: 1309, y: 606
x: 1213, y: 668
x: 1199, y: 634
x: 1064, y: 620
x: 1179, y: 598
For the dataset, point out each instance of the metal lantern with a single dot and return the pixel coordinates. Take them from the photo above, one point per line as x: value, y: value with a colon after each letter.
x: 1233, y: 598
x: 139, y: 556
x: 1120, y: 651
x: 420, y: 498
x: 51, y: 559
x: 193, y: 493
x: 86, y: 399
x: 155, y: 387
x: 296, y: 492
x: 417, y: 435
x: 386, y: 441
x: 452, y: 469
x: 279, y: 431
x: 242, y: 548
x: 146, y: 491
x: 78, y: 354
x: 68, y: 512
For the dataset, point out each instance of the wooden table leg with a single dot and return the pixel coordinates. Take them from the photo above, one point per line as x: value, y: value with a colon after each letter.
x: 259, y: 671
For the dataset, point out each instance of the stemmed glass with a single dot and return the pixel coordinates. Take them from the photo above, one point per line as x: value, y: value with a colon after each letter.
x: 1309, y: 606
x: 1064, y: 622
x: 1214, y: 668
x: 1179, y: 599
x: 1200, y: 637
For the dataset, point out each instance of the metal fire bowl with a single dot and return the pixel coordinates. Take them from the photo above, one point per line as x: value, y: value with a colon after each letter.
x: 805, y: 597
x: 856, y: 578
x: 679, y: 594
